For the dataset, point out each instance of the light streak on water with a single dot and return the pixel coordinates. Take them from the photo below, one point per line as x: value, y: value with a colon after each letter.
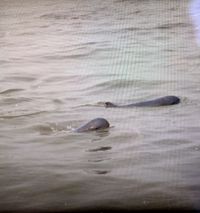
x: 195, y: 15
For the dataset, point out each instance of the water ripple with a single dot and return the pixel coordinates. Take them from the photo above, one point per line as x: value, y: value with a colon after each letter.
x: 123, y: 83
x: 8, y: 91
x: 8, y: 101
x: 21, y: 115
x: 19, y: 78
x: 103, y: 148
x: 172, y: 25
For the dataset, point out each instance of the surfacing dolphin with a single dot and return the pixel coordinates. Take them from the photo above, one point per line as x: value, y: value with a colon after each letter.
x: 163, y: 101
x: 95, y: 124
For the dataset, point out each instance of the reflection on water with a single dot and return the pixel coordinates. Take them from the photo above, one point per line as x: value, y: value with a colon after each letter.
x: 195, y: 14
x: 60, y: 61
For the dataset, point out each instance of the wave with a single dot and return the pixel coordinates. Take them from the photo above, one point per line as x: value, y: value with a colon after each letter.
x: 20, y: 78
x: 21, y: 115
x: 18, y: 100
x: 8, y: 91
x: 71, y: 56
x: 123, y: 83
x: 172, y: 25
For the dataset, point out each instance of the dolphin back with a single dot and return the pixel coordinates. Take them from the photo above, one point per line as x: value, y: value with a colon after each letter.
x: 163, y: 101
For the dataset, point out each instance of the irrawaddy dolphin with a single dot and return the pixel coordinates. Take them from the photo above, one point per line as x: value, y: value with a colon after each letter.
x: 163, y: 101
x: 95, y: 124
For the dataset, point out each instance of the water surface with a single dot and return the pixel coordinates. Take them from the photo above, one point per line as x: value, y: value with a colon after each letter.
x: 59, y: 61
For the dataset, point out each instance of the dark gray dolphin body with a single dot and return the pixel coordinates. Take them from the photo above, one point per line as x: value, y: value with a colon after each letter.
x: 163, y: 101
x: 95, y: 124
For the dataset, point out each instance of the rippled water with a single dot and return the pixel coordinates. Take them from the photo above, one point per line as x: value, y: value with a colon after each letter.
x: 59, y: 60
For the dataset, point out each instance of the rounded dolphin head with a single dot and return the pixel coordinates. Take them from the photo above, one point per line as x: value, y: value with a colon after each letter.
x: 95, y: 124
x: 169, y: 100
